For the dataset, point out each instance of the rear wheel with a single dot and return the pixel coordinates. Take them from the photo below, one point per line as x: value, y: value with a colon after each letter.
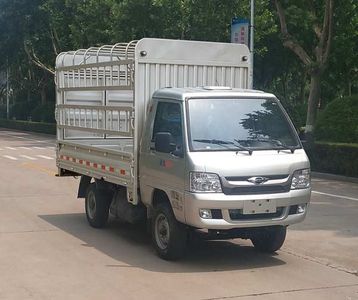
x: 97, y: 204
x: 168, y: 235
x: 269, y: 239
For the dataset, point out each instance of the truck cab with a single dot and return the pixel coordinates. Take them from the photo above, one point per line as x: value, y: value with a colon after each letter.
x: 225, y: 160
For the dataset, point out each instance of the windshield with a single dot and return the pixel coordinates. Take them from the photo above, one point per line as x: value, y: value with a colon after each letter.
x: 239, y: 125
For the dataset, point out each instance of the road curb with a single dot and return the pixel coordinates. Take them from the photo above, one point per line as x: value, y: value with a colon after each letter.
x: 334, y: 177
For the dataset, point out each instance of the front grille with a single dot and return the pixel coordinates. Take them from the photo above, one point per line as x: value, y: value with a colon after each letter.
x: 236, y: 214
x: 256, y: 189
x: 237, y: 189
x: 244, y: 178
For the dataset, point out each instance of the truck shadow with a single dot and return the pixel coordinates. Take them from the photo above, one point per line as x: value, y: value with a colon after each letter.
x: 130, y: 247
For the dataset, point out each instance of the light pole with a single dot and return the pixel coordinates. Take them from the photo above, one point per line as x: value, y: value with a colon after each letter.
x: 251, y: 75
x: 7, y: 91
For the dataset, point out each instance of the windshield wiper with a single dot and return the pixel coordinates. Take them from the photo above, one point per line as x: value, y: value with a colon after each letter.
x: 242, y: 147
x: 224, y: 144
x: 278, y: 143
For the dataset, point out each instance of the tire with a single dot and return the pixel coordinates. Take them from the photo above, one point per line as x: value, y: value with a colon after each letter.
x: 269, y: 239
x: 97, y: 204
x: 168, y: 235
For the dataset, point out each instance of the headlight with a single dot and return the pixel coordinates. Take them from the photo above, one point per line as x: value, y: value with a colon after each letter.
x: 301, y: 179
x: 204, y: 182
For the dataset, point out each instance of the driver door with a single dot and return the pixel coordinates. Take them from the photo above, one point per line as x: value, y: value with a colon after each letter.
x: 166, y: 171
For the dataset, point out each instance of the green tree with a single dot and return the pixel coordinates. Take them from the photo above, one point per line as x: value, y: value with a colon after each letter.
x: 32, y: 33
x: 312, y: 23
x: 24, y: 38
x: 341, y: 77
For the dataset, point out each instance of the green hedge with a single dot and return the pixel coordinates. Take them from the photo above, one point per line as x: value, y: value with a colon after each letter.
x: 334, y: 158
x: 47, y: 128
x: 338, y: 122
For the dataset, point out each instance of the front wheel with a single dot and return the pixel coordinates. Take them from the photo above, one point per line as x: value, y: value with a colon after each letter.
x: 168, y: 235
x: 269, y: 239
x: 97, y: 204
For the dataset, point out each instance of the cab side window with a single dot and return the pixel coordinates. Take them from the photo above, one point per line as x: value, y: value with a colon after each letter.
x: 168, y: 119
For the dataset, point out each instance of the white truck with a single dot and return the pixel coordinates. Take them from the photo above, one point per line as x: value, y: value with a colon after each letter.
x: 166, y: 131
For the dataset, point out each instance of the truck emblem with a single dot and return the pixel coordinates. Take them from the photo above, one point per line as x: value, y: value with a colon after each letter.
x: 257, y: 180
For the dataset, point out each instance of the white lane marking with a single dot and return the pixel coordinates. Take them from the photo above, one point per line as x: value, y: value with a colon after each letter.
x: 24, y: 138
x: 44, y: 156
x: 28, y: 157
x: 26, y: 148
x: 10, y: 157
x: 333, y: 195
x: 11, y: 148
x: 40, y: 148
x: 52, y: 148
x: 1, y: 149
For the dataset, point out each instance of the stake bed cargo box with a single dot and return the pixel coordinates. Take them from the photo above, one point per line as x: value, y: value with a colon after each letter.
x: 103, y: 94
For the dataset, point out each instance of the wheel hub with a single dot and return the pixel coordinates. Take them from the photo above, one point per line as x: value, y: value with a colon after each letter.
x: 91, y: 206
x: 162, y: 232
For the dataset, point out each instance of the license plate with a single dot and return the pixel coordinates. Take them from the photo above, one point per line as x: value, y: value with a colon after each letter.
x: 263, y: 206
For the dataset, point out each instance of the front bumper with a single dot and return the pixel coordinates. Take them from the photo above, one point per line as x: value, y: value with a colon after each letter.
x: 196, y: 201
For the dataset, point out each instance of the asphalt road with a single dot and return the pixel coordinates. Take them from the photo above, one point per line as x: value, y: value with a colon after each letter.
x: 48, y: 251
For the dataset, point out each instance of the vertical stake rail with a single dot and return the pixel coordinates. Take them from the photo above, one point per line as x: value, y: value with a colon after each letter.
x: 97, y: 114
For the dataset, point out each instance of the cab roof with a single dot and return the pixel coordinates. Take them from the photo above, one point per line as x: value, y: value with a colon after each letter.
x: 208, y: 92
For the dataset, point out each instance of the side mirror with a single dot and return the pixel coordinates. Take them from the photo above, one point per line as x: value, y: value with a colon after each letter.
x: 163, y: 142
